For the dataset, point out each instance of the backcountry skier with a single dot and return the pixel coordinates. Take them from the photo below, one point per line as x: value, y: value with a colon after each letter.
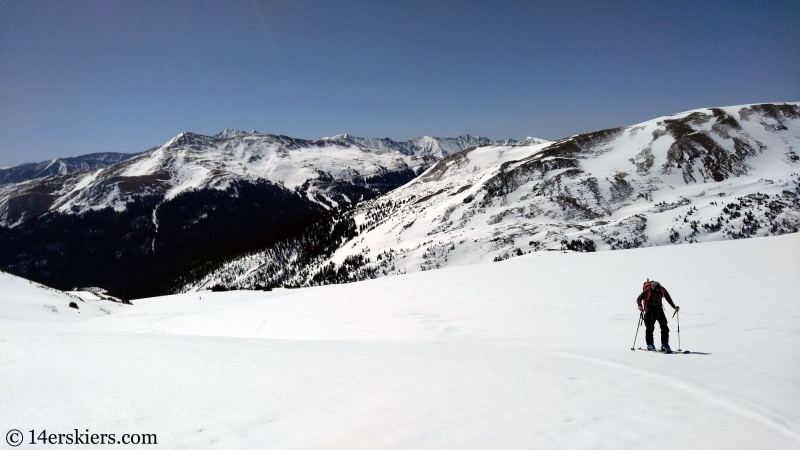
x: 650, y: 301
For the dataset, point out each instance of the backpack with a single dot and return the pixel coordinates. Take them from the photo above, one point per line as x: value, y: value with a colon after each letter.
x: 646, y: 287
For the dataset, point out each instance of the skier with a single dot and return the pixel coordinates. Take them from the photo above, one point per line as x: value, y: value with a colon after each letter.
x: 650, y: 302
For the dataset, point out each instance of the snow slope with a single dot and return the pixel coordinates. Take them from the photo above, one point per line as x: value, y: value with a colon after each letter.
x: 22, y: 301
x: 532, y: 352
x: 698, y: 176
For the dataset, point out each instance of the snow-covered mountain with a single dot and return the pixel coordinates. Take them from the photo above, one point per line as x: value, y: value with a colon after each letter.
x: 187, y: 199
x: 61, y: 166
x: 327, y: 171
x: 702, y: 175
x: 191, y: 162
x: 233, y: 132
x: 431, y: 146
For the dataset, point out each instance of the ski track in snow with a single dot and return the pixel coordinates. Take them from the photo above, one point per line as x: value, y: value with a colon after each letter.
x: 752, y: 412
x: 532, y: 352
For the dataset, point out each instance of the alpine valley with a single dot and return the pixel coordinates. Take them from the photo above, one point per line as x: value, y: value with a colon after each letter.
x: 133, y: 224
x: 254, y: 211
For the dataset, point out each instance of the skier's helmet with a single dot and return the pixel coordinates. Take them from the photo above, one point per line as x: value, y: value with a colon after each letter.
x: 655, y: 286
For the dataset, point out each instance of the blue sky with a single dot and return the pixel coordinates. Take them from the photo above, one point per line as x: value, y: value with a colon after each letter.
x: 87, y: 76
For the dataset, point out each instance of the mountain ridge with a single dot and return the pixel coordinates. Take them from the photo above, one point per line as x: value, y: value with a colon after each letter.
x: 92, y: 161
x: 384, y: 164
x: 61, y: 166
x: 249, y: 210
x: 701, y: 175
x: 171, y: 207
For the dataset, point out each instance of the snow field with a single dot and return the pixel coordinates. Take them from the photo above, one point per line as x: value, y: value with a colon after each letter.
x: 532, y: 352
x: 23, y: 301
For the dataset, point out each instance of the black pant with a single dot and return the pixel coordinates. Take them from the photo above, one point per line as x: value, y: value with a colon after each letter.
x: 650, y: 318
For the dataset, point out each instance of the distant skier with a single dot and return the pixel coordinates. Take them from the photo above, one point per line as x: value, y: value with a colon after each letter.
x: 650, y: 301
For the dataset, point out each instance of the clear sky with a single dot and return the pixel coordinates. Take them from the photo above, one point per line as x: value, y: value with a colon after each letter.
x: 79, y: 77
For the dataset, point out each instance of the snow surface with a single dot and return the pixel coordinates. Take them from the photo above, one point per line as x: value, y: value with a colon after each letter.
x: 23, y: 301
x: 531, y: 352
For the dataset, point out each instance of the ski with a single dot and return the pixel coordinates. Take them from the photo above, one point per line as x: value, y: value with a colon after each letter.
x: 681, y: 352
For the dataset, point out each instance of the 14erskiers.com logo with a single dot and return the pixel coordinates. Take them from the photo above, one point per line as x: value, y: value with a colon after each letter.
x: 16, y: 438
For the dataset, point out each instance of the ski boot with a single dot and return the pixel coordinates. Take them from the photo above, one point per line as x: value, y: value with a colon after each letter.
x: 651, y: 347
x: 665, y: 348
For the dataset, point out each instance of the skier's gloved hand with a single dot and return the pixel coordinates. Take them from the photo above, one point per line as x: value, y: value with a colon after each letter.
x: 677, y: 308
x: 640, y: 308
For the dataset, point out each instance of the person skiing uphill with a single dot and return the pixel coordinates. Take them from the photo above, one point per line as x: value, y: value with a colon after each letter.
x: 650, y: 301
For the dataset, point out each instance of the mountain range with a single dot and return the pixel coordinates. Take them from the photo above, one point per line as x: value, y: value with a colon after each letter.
x: 698, y: 176
x: 153, y: 214
x: 245, y: 210
x: 60, y: 166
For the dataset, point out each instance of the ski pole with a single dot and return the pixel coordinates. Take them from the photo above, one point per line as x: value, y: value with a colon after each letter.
x: 641, y: 316
x: 679, y: 329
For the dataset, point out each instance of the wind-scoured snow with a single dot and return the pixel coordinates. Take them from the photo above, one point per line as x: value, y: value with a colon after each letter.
x: 533, y: 352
